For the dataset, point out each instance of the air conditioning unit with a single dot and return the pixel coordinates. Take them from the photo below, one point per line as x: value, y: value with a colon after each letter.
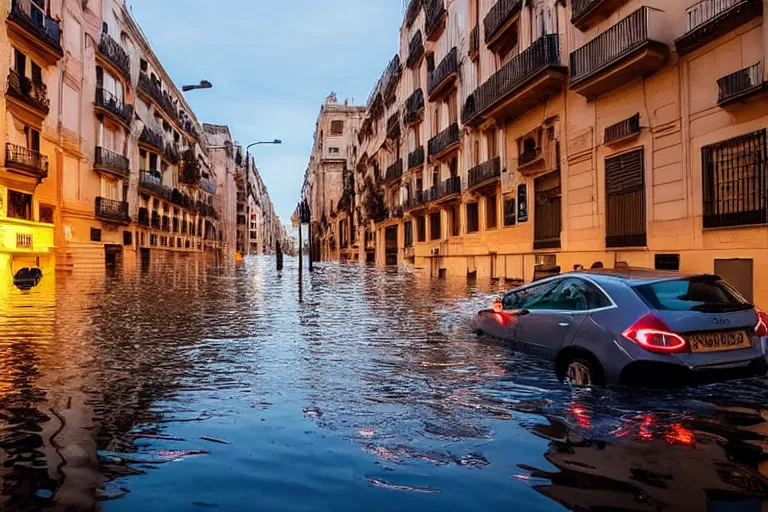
x: 436, y: 252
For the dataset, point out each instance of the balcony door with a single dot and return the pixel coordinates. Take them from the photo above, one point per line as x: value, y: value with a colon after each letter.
x: 625, y: 200
x: 547, y: 211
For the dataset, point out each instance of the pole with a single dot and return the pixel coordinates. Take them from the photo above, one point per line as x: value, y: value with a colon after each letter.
x: 309, y: 237
x: 301, y: 266
x: 279, y: 255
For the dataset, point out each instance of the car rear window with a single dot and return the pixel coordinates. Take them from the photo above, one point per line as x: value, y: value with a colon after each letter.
x: 696, y: 294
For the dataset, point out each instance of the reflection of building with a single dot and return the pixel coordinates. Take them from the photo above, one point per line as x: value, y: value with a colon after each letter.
x: 465, y: 163
x: 328, y: 187
x: 650, y: 467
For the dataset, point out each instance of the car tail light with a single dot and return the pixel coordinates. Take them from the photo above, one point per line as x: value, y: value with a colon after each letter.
x: 761, y: 329
x: 651, y: 333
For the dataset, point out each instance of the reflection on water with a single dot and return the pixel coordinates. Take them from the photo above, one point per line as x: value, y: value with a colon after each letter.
x: 200, y: 387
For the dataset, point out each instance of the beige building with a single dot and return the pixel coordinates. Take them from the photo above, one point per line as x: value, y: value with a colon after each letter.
x: 510, y: 134
x: 332, y: 157
x: 105, y: 163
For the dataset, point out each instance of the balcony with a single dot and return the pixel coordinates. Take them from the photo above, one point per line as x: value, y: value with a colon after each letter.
x: 501, y: 15
x: 445, y: 141
x: 435, y: 19
x: 208, y: 186
x: 419, y: 200
x: 414, y: 107
x: 28, y: 22
x: 623, y: 131
x: 26, y: 161
x: 152, y: 138
x: 110, y: 162
x: 143, y: 217
x: 529, y: 157
x: 391, y: 78
x: 444, y: 74
x: 394, y: 172
x: 586, y: 13
x: 630, y: 49
x: 487, y: 173
x: 111, y: 210
x: 151, y: 181
x: 474, y: 43
x: 393, y: 126
x: 190, y: 173
x: 415, y: 50
x: 412, y: 12
x: 113, y: 106
x: 416, y: 158
x: 448, y: 190
x: 154, y: 90
x: 741, y: 84
x: 115, y: 55
x: 523, y: 82
x: 709, y: 19
x: 30, y: 94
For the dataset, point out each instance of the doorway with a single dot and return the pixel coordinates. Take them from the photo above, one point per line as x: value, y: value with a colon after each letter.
x: 113, y: 258
x: 390, y: 246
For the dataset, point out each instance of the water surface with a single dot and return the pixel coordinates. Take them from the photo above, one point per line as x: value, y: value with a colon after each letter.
x: 196, y: 388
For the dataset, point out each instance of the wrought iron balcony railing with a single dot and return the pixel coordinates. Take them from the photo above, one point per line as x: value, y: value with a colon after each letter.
x: 152, y: 181
x: 484, y: 172
x: 449, y: 187
x: 544, y: 52
x: 34, y: 94
x: 415, y: 50
x: 709, y: 19
x: 737, y: 85
x: 394, y: 171
x: 500, y: 13
x: 623, y: 129
x: 162, y: 99
x: 115, y: 53
x: 419, y: 199
x: 412, y: 12
x: 393, y: 126
x: 528, y: 156
x: 435, y: 11
x: 152, y: 138
x: 110, y: 209
x: 112, y: 162
x: 413, y: 106
x: 445, y: 139
x: 111, y: 103
x: 447, y: 67
x: 634, y: 31
x: 416, y: 158
x: 34, y: 19
x: 27, y: 161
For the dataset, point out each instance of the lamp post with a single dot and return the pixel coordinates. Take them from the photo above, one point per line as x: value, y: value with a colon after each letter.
x: 204, y: 84
x: 247, y: 173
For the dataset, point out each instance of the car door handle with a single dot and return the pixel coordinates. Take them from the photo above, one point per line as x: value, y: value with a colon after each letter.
x: 564, y: 324
x: 523, y: 312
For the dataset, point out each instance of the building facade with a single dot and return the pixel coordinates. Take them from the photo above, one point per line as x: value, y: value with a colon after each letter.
x: 333, y: 153
x: 105, y: 162
x: 511, y: 134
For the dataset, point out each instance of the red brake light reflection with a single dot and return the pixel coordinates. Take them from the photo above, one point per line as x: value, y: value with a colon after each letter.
x: 761, y: 329
x: 651, y: 333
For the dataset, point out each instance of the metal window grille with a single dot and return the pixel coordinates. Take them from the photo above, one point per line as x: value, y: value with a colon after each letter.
x: 625, y: 200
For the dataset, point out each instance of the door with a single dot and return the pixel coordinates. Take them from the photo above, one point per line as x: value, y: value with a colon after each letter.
x: 552, y: 317
x: 390, y: 246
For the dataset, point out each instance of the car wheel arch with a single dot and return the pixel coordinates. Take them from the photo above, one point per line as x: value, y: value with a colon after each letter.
x: 571, y: 353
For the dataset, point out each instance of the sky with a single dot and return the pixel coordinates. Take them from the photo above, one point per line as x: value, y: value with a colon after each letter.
x: 272, y: 64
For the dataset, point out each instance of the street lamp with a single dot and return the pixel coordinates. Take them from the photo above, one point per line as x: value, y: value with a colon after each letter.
x: 204, y: 84
x: 247, y: 164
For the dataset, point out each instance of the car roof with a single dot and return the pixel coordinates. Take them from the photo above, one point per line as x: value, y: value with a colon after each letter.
x: 636, y: 276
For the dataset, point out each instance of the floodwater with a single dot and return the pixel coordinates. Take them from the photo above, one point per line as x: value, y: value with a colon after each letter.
x: 199, y: 388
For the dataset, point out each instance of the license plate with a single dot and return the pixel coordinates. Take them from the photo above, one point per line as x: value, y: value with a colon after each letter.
x: 719, y: 341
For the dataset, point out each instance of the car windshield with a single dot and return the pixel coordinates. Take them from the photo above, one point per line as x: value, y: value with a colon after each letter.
x: 694, y: 294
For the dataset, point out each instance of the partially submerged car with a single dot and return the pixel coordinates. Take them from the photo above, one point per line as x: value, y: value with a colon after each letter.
x: 630, y: 325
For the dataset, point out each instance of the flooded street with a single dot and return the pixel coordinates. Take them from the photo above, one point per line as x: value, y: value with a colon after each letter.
x: 198, y: 388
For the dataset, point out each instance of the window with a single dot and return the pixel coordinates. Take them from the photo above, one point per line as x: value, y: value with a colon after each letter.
x: 333, y: 151
x: 408, y: 233
x: 95, y: 235
x: 416, y: 72
x: 455, y: 221
x: 735, y: 173
x: 46, y: 213
x: 337, y: 127
x: 430, y: 62
x: 490, y: 212
x: 493, y: 148
x: 127, y: 238
x: 435, y: 229
x: 454, y: 166
x: 625, y: 200
x: 526, y: 298
x: 436, y: 120
x: 547, y: 212
x: 20, y: 62
x: 453, y: 109
x: 707, y: 294
x: 144, y: 65
x: 473, y: 220
x: 476, y: 153
x: 19, y: 205
x: 509, y: 211
x: 421, y: 228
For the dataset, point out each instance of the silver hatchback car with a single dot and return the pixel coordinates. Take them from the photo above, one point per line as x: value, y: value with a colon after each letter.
x: 628, y: 326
